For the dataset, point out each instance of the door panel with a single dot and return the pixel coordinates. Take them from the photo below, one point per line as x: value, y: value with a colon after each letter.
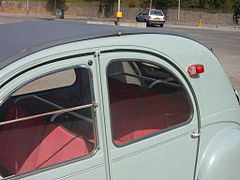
x: 46, y: 132
x: 144, y: 103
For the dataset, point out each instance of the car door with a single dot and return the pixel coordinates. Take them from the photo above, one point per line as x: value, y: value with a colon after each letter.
x: 143, y: 15
x: 50, y: 123
x: 150, y: 114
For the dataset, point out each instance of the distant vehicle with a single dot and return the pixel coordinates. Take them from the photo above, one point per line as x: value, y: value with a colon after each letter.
x: 151, y: 17
x: 95, y: 102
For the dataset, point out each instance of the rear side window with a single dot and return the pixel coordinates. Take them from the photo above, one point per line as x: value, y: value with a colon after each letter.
x: 144, y: 99
x: 46, y: 122
x: 156, y: 12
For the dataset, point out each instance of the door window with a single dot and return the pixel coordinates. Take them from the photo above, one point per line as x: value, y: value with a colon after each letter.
x: 145, y: 12
x: 145, y: 99
x: 46, y: 122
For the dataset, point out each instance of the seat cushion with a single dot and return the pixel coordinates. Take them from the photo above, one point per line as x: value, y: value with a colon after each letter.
x: 36, y: 143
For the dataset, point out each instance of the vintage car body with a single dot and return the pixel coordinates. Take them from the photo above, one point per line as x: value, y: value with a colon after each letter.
x: 135, y: 109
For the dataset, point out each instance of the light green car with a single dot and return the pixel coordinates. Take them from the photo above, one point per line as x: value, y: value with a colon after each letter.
x: 92, y: 102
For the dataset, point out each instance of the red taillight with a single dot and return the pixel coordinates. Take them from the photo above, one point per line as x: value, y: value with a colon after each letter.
x: 195, y: 69
x: 149, y: 17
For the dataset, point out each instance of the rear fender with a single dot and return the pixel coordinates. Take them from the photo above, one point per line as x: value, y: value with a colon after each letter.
x: 221, y: 158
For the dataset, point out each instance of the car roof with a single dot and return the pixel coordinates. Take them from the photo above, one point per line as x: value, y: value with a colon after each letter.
x: 153, y: 9
x: 21, y: 39
x: 156, y: 9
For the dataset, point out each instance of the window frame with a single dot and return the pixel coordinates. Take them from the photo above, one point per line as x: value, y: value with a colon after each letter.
x: 191, y: 105
x: 94, y: 115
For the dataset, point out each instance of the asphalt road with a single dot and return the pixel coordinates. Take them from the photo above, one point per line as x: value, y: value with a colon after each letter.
x: 225, y: 43
x: 7, y: 19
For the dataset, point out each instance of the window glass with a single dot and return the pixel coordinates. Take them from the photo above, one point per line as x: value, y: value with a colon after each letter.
x: 61, y: 79
x: 145, y: 12
x: 52, y: 125
x: 144, y: 99
x: 156, y: 12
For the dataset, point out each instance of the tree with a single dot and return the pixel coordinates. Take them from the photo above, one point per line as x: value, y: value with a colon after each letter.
x: 236, y: 7
x: 106, y: 8
x: 52, y: 5
x: 166, y: 4
x: 189, y: 3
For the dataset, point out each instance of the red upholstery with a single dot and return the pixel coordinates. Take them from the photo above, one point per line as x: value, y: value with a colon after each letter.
x: 86, y: 133
x: 57, y: 146
x: 137, y: 112
x: 120, y: 90
x: 32, y: 144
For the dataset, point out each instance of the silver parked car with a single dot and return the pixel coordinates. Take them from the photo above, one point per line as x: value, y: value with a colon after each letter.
x: 93, y: 102
x: 152, y: 17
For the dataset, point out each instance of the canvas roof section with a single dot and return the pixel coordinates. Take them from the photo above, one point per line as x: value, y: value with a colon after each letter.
x: 21, y: 39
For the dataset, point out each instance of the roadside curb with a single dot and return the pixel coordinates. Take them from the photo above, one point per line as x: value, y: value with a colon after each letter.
x: 205, y: 27
x: 130, y: 24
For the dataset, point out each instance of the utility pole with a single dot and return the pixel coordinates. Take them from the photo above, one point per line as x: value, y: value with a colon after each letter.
x: 178, y: 13
x: 119, y: 13
x: 54, y: 5
x: 119, y: 5
x: 150, y: 4
x: 27, y: 6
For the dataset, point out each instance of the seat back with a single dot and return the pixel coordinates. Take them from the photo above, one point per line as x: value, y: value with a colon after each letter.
x: 138, y: 111
x: 37, y: 143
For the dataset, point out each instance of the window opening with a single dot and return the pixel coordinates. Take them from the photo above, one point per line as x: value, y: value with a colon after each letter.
x: 47, y: 122
x: 152, y: 101
x: 156, y: 12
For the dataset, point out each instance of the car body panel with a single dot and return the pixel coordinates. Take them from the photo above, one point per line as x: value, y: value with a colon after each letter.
x: 76, y: 170
x: 156, y: 22
x: 222, y: 150
x: 156, y: 151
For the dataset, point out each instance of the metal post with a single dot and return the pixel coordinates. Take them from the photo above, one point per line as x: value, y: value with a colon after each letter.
x: 54, y: 6
x: 119, y: 4
x: 150, y: 4
x: 27, y: 6
x: 179, y: 7
x: 118, y: 10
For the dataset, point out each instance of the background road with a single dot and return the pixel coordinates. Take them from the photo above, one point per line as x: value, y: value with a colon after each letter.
x: 224, y: 42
